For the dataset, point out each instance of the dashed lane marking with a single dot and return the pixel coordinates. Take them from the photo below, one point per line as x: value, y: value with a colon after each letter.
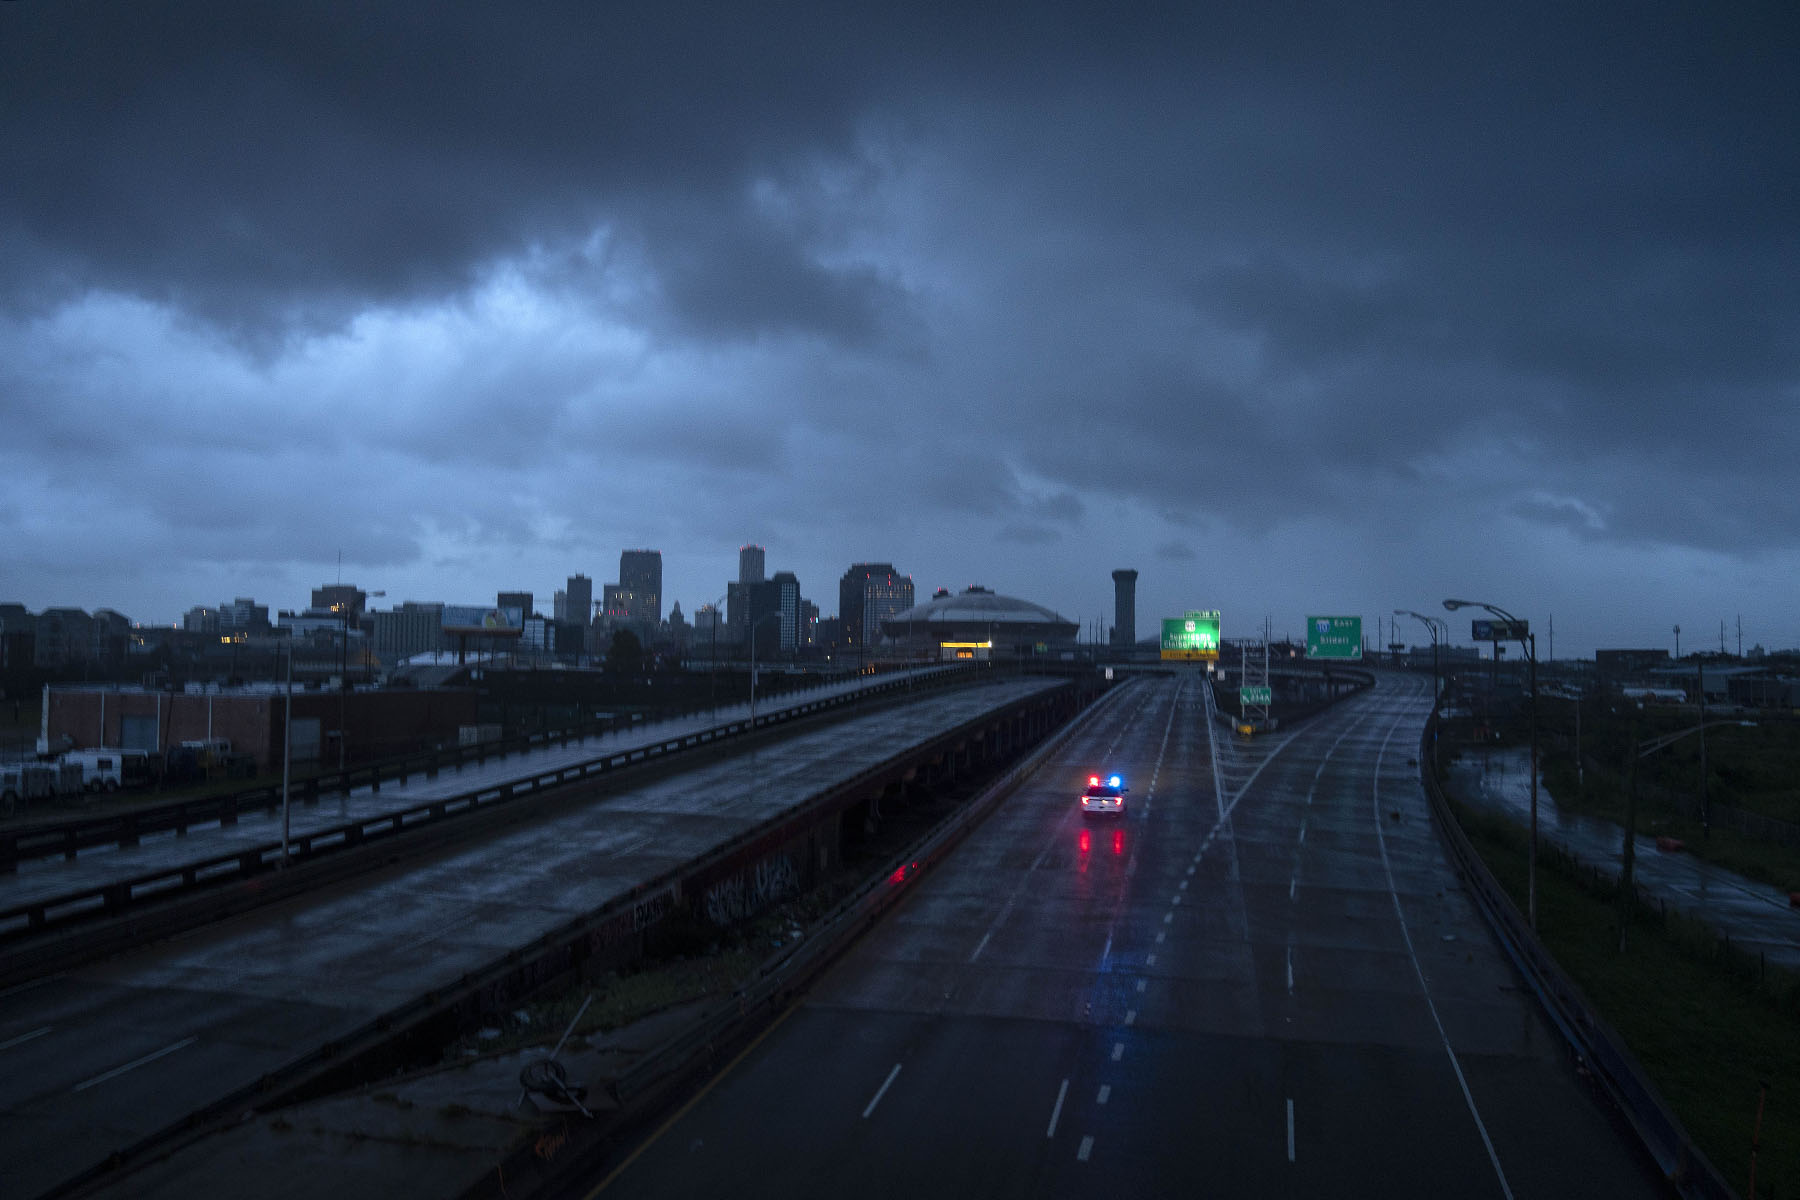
x: 881, y: 1091
x: 26, y: 1037
x: 134, y: 1064
x: 1087, y: 1148
x: 1056, y: 1113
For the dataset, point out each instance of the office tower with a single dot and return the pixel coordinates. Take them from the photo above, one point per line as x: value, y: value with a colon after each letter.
x: 750, y: 563
x: 640, y: 582
x: 868, y: 594
x: 581, y: 599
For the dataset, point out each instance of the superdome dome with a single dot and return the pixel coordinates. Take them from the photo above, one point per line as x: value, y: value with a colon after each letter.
x: 976, y: 616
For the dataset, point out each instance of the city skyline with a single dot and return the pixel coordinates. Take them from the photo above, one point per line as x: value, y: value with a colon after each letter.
x: 1291, y: 310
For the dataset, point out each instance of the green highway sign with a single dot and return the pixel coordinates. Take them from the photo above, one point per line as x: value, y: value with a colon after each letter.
x: 1499, y: 631
x: 1193, y: 635
x: 1334, y: 637
x: 1248, y: 696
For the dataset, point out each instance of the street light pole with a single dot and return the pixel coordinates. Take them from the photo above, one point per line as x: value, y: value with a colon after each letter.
x: 757, y: 624
x: 1527, y: 643
x: 1431, y: 626
x: 287, y: 751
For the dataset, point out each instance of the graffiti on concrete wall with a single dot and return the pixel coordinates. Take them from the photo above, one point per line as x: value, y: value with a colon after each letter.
x: 751, y: 890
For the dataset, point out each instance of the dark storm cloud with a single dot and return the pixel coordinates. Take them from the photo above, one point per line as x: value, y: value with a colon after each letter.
x: 1238, y: 269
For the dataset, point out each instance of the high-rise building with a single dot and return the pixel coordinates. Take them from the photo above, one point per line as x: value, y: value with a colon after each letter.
x: 332, y: 595
x: 868, y: 594
x: 559, y: 606
x: 750, y: 563
x: 640, y: 584
x: 581, y: 599
x: 412, y: 628
x: 775, y: 614
x: 1124, y: 608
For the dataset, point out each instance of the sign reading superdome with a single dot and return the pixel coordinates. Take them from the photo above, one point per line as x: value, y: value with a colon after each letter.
x: 1193, y: 635
x: 1334, y: 637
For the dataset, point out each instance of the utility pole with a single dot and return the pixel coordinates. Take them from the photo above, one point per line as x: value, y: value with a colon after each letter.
x: 1705, y: 812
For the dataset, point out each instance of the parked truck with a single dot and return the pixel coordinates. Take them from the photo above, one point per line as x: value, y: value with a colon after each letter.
x: 23, y: 783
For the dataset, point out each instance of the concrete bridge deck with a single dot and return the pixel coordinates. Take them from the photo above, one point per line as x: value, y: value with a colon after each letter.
x: 97, y: 1058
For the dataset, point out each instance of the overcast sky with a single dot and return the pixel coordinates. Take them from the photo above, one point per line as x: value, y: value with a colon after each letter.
x: 1291, y: 310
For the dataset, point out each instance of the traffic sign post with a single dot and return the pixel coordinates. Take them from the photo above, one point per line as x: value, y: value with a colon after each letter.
x: 1334, y: 638
x: 1194, y: 636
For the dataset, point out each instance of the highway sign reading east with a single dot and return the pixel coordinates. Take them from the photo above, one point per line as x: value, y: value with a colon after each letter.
x: 1193, y: 635
x: 1334, y: 637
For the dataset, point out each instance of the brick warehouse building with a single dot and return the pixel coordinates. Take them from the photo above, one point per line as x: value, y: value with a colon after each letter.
x: 375, y: 724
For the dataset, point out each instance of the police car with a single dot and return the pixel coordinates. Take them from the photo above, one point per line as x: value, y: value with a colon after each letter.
x: 1104, y: 795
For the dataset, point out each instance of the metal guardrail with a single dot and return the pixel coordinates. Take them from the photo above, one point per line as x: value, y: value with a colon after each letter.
x: 51, y: 914
x: 536, y: 961
x: 68, y: 838
x: 1595, y: 1044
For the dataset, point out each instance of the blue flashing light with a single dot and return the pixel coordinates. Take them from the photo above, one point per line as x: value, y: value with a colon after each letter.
x: 1114, y: 781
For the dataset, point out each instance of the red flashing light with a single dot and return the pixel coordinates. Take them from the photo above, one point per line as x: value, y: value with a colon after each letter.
x: 1086, y: 841
x: 1093, y: 781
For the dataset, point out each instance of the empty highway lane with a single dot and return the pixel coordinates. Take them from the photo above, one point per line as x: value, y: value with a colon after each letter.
x: 1265, y: 980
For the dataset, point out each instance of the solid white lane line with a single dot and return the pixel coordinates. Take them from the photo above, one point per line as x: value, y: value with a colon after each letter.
x: 1406, y: 935
x: 1105, y: 1094
x: 1118, y: 1051
x: 26, y: 1037
x: 981, y: 945
x: 1290, y: 1129
x: 882, y: 1091
x: 1087, y: 1148
x: 1142, y: 984
x: 183, y: 1044
x: 1056, y: 1113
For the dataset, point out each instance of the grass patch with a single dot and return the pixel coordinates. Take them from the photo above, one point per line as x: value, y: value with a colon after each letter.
x: 1706, y: 1024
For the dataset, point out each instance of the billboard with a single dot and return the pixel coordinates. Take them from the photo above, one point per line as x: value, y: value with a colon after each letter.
x: 480, y: 619
x: 1334, y: 637
x: 1499, y: 631
x: 1192, y: 636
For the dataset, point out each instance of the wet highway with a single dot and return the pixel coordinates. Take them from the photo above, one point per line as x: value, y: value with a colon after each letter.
x: 1264, y: 981
x: 94, y: 1059
x: 43, y: 878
